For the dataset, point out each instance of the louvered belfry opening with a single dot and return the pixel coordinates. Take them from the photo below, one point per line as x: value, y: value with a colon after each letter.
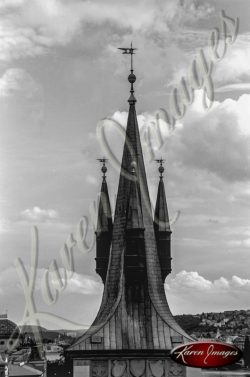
x: 134, y: 329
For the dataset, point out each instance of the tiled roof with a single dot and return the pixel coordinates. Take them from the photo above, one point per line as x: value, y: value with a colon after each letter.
x: 8, y: 328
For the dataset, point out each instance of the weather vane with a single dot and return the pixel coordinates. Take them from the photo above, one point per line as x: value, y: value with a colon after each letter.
x: 131, y: 78
x: 104, y: 168
x: 130, y: 51
x: 161, y: 168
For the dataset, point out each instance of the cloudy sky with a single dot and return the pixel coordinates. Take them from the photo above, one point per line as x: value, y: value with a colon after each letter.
x: 60, y: 74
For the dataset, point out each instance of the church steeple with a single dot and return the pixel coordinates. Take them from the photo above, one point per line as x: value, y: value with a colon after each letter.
x: 162, y: 226
x: 134, y: 315
x: 104, y: 226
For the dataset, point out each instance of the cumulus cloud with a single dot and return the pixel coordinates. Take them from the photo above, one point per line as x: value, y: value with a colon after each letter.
x: 16, y: 84
x: 234, y: 67
x: 217, y: 140
x: 83, y: 284
x: 38, y: 214
x: 191, y: 280
x: 31, y: 28
x: 188, y: 280
x: 78, y: 283
x: 189, y: 290
x: 17, y: 80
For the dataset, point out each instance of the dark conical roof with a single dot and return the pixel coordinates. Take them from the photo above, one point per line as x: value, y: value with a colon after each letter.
x: 161, y: 219
x: 104, y: 219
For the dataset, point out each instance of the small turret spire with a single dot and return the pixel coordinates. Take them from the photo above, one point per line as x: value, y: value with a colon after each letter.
x: 161, y: 210
x: 162, y: 226
x: 104, y: 226
x: 131, y: 78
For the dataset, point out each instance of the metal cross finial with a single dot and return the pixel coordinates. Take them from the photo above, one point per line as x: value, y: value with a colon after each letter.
x: 131, y: 78
x: 104, y: 168
x: 161, y: 168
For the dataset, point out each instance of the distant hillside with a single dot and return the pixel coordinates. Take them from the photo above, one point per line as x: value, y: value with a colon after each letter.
x: 227, y: 323
x: 234, y: 322
x: 188, y: 322
x: 28, y: 329
x: 50, y: 335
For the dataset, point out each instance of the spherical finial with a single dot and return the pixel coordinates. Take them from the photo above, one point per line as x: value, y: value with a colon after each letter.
x: 131, y: 78
x: 104, y: 169
x: 161, y: 169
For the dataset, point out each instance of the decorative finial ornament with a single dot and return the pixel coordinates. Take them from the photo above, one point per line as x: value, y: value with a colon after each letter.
x: 104, y: 168
x: 131, y: 78
x: 161, y: 168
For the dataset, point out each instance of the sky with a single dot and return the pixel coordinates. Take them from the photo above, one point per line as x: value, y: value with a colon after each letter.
x: 60, y: 75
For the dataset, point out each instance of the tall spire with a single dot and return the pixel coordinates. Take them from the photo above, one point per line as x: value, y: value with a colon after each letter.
x: 161, y: 219
x: 162, y: 226
x: 134, y: 313
x: 104, y: 226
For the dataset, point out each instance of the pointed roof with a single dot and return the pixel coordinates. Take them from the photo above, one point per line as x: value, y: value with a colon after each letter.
x: 104, y: 219
x: 114, y: 300
x: 161, y: 219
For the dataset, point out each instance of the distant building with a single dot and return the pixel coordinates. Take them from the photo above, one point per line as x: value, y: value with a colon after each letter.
x: 9, y: 338
x: 229, y: 313
x: 239, y: 341
x: 9, y: 334
x: 23, y: 362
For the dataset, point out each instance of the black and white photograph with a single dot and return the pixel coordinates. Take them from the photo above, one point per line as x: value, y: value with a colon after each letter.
x: 124, y: 188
